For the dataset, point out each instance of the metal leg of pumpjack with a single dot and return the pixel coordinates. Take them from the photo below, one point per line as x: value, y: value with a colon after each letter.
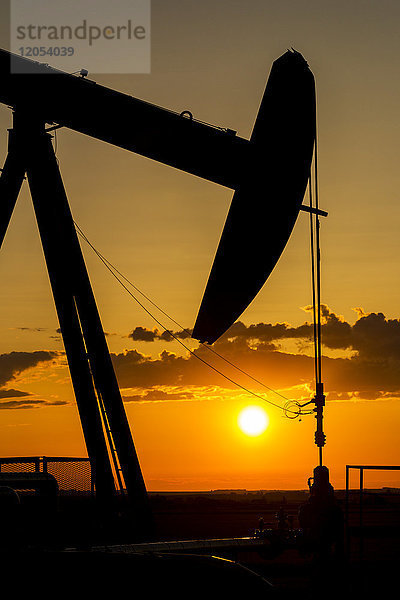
x: 43, y: 176
x: 11, y: 179
x: 107, y: 385
x: 101, y: 367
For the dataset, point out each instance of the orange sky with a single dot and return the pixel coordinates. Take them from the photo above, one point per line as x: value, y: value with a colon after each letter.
x: 161, y: 228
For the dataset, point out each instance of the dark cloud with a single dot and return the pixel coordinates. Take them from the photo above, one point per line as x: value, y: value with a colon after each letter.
x: 29, y: 403
x: 24, y: 404
x: 335, y: 331
x: 32, y: 329
x: 375, y: 337
x: 137, y: 370
x: 266, y: 332
x: 183, y: 334
x: 142, y: 334
x: 14, y: 363
x: 10, y: 393
x: 158, y: 396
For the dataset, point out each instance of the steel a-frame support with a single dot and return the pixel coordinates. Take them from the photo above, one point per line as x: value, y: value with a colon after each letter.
x: 105, y: 426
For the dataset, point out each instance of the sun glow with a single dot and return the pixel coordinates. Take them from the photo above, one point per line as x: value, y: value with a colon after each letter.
x: 253, y: 420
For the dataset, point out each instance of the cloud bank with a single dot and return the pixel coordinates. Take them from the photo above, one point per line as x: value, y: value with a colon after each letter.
x: 367, y: 369
x: 370, y: 371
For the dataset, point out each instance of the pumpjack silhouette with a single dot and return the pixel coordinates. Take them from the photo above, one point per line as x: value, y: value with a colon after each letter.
x: 268, y: 173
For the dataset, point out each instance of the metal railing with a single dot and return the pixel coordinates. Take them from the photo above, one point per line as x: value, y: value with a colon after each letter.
x: 73, y: 475
x: 361, y: 469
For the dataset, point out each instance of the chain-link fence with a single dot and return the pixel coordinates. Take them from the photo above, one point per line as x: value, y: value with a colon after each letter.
x: 73, y: 475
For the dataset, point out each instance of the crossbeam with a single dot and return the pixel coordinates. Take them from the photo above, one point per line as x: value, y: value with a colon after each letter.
x: 124, y: 121
x: 314, y: 211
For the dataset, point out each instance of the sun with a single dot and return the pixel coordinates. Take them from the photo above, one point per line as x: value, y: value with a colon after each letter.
x: 253, y: 420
